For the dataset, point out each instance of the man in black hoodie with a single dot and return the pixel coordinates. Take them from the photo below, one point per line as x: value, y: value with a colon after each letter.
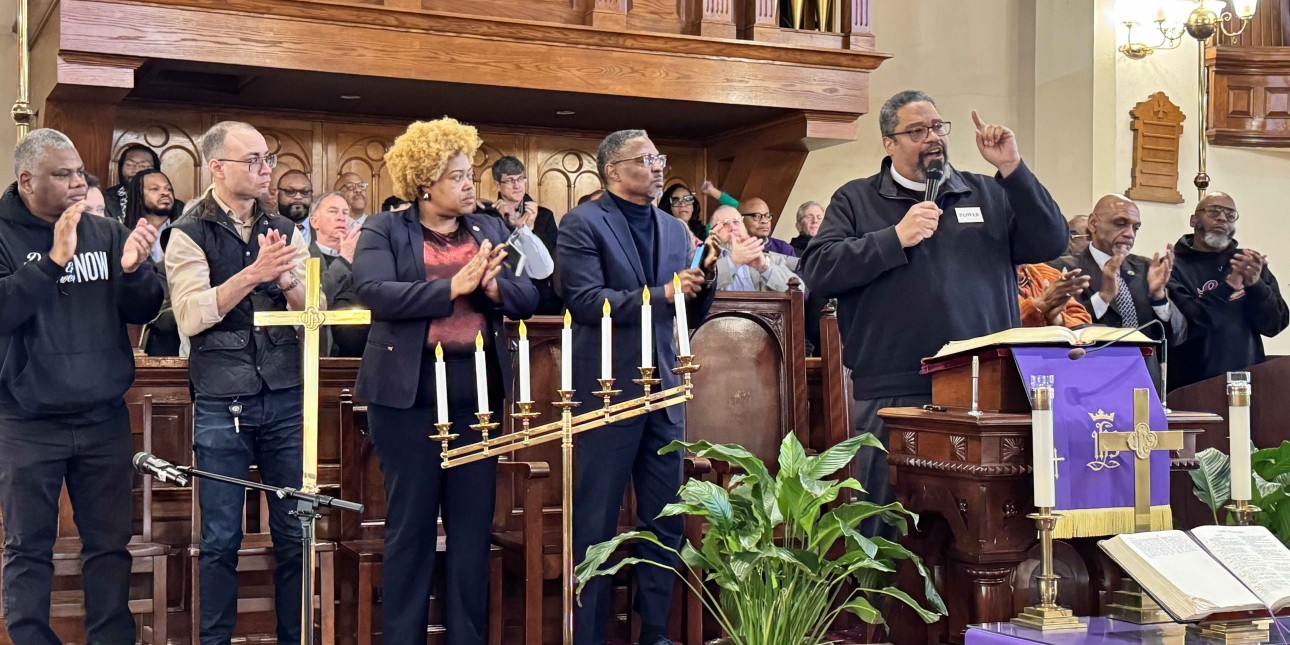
x: 69, y: 285
x: 911, y: 274
x: 1227, y: 293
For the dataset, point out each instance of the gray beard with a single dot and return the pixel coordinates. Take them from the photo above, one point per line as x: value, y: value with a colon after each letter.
x: 1217, y: 240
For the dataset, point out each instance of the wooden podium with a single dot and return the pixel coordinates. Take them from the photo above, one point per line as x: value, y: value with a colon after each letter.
x: 969, y: 479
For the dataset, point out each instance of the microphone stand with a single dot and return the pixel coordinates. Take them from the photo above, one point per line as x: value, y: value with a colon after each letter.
x: 307, y: 506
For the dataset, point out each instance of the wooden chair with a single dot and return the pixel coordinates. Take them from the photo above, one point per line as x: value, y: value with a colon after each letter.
x: 148, y: 558
x: 255, y: 567
x: 362, y: 547
x: 751, y: 391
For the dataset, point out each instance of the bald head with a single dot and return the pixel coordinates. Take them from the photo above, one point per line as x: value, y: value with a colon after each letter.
x: 727, y: 224
x: 1079, y: 235
x: 757, y: 216
x: 1214, y: 222
x: 1113, y: 225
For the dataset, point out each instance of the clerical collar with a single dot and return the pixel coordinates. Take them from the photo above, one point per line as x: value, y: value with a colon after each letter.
x: 327, y: 250
x: 907, y: 183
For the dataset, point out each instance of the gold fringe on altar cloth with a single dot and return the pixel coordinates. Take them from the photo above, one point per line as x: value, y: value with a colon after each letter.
x: 1098, y: 522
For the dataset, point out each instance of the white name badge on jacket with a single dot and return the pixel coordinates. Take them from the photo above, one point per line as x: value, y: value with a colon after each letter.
x: 970, y: 215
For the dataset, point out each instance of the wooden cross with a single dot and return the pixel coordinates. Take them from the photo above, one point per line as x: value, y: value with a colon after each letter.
x: 1142, y: 441
x: 312, y: 319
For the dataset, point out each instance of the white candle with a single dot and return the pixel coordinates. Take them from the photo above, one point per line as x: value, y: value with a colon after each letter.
x: 1238, y: 420
x: 481, y: 373
x: 1041, y: 447
x: 606, y: 344
x: 440, y: 385
x: 647, y: 331
x: 525, y: 392
x: 566, y: 354
x: 682, y: 324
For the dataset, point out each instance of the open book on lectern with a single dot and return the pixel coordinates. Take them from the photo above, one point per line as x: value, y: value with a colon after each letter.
x: 1208, y: 570
x: 1051, y: 335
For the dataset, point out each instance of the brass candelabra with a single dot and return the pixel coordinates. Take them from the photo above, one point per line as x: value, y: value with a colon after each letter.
x: 564, y: 429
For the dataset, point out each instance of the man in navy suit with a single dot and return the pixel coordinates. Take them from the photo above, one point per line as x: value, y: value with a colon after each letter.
x: 614, y: 248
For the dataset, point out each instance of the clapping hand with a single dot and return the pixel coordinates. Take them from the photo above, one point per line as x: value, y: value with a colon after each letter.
x: 138, y: 247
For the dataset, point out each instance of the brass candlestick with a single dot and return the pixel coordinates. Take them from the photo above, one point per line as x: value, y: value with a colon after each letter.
x: 444, y: 437
x: 1243, y: 511
x: 484, y: 426
x: 525, y: 416
x: 686, y: 368
x: 1047, y: 615
x: 566, y: 404
x: 647, y: 381
x: 607, y: 392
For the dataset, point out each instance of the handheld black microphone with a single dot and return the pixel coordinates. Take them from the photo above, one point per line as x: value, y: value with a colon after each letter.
x: 1079, y: 352
x: 151, y: 465
x: 935, y: 173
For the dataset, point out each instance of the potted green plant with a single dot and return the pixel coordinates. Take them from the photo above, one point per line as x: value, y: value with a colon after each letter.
x: 1270, y: 469
x: 780, y: 558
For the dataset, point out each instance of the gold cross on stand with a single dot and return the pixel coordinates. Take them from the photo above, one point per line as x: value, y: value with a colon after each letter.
x: 312, y: 319
x: 1129, y: 602
x: 1142, y: 441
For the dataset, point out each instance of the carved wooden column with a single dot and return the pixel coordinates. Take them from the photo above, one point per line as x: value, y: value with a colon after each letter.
x: 855, y: 25
x: 757, y: 19
x: 608, y: 14
x: 712, y: 18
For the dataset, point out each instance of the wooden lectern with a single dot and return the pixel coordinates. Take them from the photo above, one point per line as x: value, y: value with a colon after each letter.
x: 969, y: 479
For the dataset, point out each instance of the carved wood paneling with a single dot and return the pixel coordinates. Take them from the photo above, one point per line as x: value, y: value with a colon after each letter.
x: 1249, y: 102
x: 173, y: 136
x: 359, y: 149
x: 562, y: 170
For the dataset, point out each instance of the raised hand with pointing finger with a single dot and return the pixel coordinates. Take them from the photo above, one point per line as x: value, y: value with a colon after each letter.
x: 998, y: 145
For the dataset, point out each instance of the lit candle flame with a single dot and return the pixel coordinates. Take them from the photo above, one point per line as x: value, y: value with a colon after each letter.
x: 524, y: 331
x: 568, y: 320
x: 479, y: 340
x: 676, y: 283
x: 645, y: 297
x: 438, y: 352
x: 606, y: 308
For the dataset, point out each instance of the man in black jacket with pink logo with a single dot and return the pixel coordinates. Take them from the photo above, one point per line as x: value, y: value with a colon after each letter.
x: 69, y: 285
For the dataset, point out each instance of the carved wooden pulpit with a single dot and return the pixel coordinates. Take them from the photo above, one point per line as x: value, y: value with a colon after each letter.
x: 969, y: 479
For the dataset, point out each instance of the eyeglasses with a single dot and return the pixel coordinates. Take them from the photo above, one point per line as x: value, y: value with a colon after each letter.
x: 291, y: 192
x: 648, y: 160
x: 725, y: 223
x: 676, y: 201
x: 760, y: 217
x: 137, y: 165
x: 513, y: 181
x: 918, y: 133
x: 1078, y: 236
x: 354, y: 186
x: 254, y: 164
x: 1218, y: 212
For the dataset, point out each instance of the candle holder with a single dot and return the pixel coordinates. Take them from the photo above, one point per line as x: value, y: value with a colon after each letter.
x: 1047, y: 615
x: 525, y: 416
x: 1243, y: 511
x: 686, y: 368
x: 976, y: 388
x: 484, y: 426
x: 443, y: 436
x: 607, y: 392
x: 647, y: 381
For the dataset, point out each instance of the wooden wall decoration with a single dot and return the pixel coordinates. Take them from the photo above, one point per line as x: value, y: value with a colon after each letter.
x: 1157, y: 133
x: 561, y: 167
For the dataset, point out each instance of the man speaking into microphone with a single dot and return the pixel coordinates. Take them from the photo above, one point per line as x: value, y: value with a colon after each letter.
x: 912, y: 273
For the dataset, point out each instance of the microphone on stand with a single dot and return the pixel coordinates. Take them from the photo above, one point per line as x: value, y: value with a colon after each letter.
x: 1077, y: 353
x: 151, y: 465
x: 935, y: 173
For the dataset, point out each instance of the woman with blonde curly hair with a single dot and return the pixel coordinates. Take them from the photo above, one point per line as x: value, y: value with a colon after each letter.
x: 433, y: 276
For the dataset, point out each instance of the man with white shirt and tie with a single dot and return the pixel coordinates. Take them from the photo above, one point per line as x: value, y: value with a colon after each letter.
x: 1127, y: 290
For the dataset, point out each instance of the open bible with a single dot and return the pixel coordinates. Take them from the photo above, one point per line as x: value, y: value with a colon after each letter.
x: 1208, y: 570
x: 1051, y: 335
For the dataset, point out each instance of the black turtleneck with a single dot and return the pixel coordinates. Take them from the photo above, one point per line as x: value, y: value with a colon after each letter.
x: 640, y: 221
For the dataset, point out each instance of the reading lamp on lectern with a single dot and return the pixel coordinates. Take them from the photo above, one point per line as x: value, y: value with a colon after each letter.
x: 1079, y: 352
